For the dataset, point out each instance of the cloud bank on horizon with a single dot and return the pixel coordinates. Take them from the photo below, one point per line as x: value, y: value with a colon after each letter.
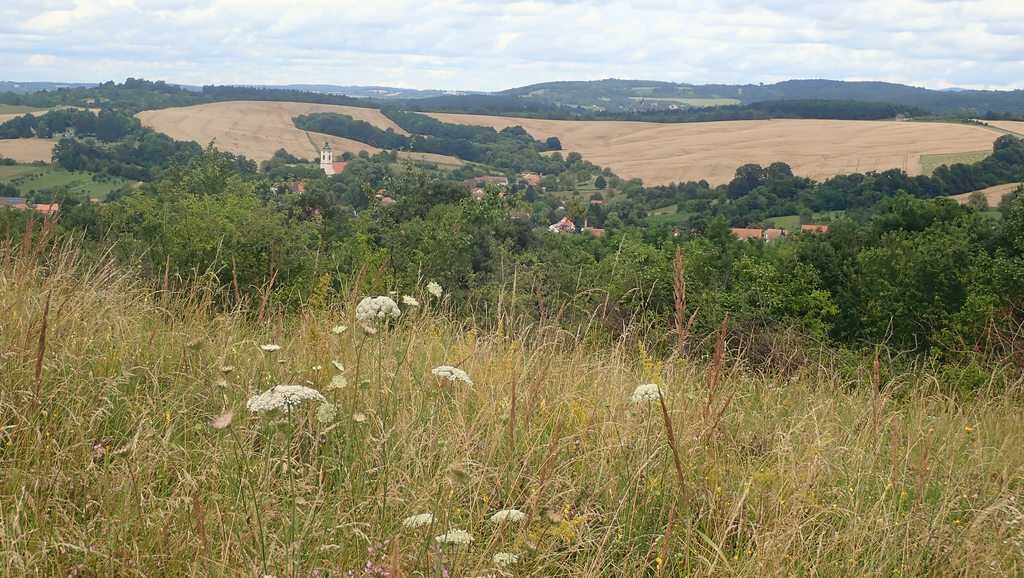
x: 494, y: 44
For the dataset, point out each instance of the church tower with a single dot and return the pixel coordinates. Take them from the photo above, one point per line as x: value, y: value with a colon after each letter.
x: 327, y: 159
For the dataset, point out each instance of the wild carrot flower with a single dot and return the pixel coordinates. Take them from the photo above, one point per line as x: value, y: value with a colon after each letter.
x: 338, y: 381
x: 646, y: 392
x: 505, y: 559
x: 326, y: 413
x: 510, y: 515
x: 455, y: 537
x: 282, y: 397
x: 270, y: 347
x: 410, y: 301
x: 452, y: 374
x: 339, y: 329
x: 419, y: 520
x: 359, y: 417
x: 434, y: 289
x: 373, y: 309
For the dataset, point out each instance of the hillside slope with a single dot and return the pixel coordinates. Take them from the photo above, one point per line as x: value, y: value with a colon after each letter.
x: 128, y: 448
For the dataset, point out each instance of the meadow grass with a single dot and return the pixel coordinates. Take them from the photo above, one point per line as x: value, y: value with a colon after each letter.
x: 52, y: 178
x: 931, y: 162
x: 116, y: 464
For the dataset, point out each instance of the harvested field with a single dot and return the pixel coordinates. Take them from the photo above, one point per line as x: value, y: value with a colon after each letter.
x: 257, y: 129
x: 27, y: 150
x: 7, y: 112
x: 663, y: 153
x: 1014, y: 126
x: 993, y: 194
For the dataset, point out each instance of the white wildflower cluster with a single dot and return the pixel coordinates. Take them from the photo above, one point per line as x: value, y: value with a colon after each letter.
x: 326, y: 413
x: 452, y: 374
x: 339, y: 329
x: 410, y: 301
x: 376, y: 309
x: 646, y: 392
x: 455, y: 537
x: 434, y: 289
x: 418, y: 520
x: 282, y: 397
x: 505, y: 559
x: 270, y: 347
x: 511, y: 515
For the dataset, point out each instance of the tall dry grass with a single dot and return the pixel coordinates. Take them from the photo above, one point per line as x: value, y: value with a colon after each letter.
x: 110, y: 465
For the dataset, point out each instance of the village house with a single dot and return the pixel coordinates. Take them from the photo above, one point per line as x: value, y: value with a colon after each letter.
x: 13, y: 202
x: 564, y: 226
x: 532, y: 179
x: 327, y: 163
x: 759, y: 234
x: 21, y: 204
x: 382, y: 197
x: 46, y: 209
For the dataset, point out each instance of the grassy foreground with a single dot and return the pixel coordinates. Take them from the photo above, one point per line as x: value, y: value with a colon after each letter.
x: 115, y: 463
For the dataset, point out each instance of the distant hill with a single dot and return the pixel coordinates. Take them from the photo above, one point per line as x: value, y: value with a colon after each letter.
x: 612, y: 99
x: 375, y: 92
x: 615, y: 95
x: 28, y: 87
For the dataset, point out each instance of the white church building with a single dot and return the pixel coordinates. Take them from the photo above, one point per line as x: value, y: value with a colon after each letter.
x: 327, y: 161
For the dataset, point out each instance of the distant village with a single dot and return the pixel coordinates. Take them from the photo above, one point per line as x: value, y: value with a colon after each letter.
x: 478, y: 188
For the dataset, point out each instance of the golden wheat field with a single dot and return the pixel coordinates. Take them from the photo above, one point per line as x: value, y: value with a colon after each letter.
x: 27, y: 150
x: 661, y: 153
x: 258, y: 129
x: 993, y: 194
x: 1014, y: 126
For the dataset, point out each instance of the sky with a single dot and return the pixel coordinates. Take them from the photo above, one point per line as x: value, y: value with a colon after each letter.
x: 493, y: 45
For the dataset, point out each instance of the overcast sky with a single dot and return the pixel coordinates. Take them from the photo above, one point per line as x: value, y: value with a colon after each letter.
x: 490, y: 45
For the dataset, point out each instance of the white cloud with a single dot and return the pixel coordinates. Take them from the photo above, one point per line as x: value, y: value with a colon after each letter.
x: 495, y: 44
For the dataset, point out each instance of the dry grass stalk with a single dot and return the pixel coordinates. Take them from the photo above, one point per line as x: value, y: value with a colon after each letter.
x: 715, y: 370
x: 666, y: 542
x: 673, y: 445
x: 876, y: 392
x: 683, y: 325
x: 265, y: 298
x: 41, y: 351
